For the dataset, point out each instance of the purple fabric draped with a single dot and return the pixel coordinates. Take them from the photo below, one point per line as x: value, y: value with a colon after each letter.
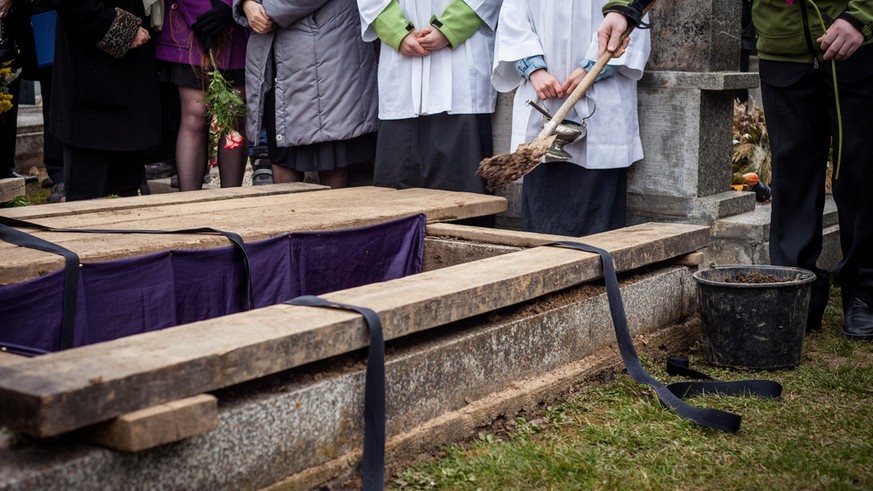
x: 129, y: 296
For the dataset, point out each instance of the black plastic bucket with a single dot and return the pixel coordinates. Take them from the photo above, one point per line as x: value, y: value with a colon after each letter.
x: 755, y: 325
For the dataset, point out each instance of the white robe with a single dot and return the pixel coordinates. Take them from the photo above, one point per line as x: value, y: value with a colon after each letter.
x: 457, y: 81
x: 565, y: 32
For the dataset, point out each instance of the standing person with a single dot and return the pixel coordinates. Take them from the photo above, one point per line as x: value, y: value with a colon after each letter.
x: 544, y: 49
x: 192, y: 28
x: 11, y: 18
x: 435, y: 93
x: 104, y: 96
x: 319, y: 104
x: 800, y: 54
x: 52, y: 150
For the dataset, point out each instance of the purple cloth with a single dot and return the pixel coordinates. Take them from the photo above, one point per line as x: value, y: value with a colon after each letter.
x: 130, y: 296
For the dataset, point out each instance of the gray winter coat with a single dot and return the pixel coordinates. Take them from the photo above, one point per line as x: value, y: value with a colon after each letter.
x: 325, y: 73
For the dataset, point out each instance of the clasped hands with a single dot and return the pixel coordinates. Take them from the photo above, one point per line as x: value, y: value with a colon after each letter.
x: 548, y: 87
x: 259, y: 21
x: 424, y: 42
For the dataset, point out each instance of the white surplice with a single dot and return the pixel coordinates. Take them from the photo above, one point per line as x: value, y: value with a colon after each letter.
x: 456, y: 81
x: 565, y: 33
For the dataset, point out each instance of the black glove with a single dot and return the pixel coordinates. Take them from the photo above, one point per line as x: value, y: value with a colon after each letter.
x: 212, y: 23
x: 633, y: 12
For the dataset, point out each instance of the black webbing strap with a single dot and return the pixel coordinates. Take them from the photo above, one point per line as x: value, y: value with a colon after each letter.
x: 374, y: 392
x: 71, y: 275
x: 712, y: 418
x: 678, y: 365
x: 233, y: 237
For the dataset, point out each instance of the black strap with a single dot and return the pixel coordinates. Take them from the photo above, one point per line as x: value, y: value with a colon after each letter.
x: 71, y: 275
x: 233, y: 237
x: 374, y: 392
x: 712, y: 418
x: 678, y: 365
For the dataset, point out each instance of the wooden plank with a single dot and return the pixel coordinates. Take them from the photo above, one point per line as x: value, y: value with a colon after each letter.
x: 67, y: 390
x: 150, y: 427
x: 10, y: 189
x: 254, y: 218
x: 7, y: 358
x: 527, y: 239
x: 152, y: 200
x: 514, y: 238
x: 692, y: 259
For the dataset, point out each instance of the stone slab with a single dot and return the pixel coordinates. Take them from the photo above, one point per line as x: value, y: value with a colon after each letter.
x: 745, y: 238
x: 11, y: 188
x: 695, y: 36
x: 718, y: 81
x: 686, y: 136
x: 704, y: 210
x: 303, y: 428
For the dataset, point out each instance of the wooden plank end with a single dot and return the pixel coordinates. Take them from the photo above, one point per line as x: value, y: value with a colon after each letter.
x: 157, y: 425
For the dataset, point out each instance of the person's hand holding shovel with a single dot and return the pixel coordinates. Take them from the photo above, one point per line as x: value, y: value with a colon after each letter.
x: 609, y: 34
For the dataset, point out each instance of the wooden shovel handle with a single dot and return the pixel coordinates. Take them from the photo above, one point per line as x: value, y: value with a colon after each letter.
x: 583, y: 87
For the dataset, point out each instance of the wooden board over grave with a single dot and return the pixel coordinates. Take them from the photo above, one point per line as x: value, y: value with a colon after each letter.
x: 64, y: 391
x: 253, y: 215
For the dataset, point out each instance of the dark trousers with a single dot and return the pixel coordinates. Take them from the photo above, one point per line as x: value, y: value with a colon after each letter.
x: 52, y: 148
x: 90, y: 174
x: 563, y: 198
x: 801, y: 119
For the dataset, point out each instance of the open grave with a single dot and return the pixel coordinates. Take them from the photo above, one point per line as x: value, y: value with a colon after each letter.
x: 495, y: 323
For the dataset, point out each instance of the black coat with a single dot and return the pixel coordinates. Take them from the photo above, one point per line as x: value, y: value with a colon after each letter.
x: 99, y: 101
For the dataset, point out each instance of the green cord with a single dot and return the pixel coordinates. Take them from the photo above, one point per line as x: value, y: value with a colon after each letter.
x: 836, y: 95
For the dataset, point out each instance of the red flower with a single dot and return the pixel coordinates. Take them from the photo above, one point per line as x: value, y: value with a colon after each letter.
x: 233, y: 140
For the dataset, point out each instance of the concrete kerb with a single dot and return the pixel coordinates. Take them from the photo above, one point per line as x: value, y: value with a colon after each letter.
x: 302, y: 427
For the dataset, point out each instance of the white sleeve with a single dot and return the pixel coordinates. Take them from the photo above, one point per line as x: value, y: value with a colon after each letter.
x: 369, y: 10
x: 487, y: 10
x: 516, y: 40
x: 633, y: 61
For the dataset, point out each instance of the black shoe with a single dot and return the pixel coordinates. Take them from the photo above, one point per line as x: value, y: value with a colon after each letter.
x: 160, y: 170
x: 262, y: 173
x: 58, y: 194
x: 858, y: 321
x: 27, y: 179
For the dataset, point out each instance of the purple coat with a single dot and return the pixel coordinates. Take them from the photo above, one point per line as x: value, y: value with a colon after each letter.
x: 177, y: 43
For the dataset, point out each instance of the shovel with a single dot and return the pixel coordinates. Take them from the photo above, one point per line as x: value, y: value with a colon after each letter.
x: 501, y: 170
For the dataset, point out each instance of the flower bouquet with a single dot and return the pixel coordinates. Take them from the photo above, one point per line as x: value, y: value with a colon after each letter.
x: 7, y: 76
x: 224, y: 107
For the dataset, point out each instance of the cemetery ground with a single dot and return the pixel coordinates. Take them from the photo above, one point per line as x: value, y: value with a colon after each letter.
x: 611, y: 433
x: 614, y: 434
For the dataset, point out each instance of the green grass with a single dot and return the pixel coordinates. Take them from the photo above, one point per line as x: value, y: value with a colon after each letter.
x: 818, y: 435
x: 35, y: 195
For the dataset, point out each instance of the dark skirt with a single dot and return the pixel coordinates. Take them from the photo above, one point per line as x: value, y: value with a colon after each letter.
x: 563, y: 198
x: 439, y: 151
x: 321, y: 156
x: 195, y: 77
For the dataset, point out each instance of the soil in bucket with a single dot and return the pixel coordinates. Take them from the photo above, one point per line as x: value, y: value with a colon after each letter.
x: 754, y: 316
